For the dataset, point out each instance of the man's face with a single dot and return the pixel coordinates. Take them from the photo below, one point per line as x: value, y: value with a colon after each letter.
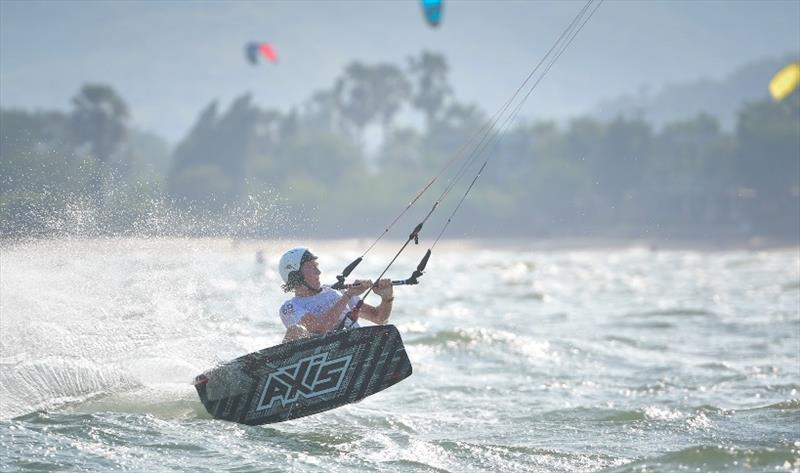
x: 310, y: 271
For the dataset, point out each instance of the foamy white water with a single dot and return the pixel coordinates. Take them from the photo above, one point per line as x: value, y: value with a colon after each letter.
x: 617, y: 360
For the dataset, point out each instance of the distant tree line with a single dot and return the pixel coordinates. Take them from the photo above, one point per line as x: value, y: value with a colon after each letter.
x: 609, y: 178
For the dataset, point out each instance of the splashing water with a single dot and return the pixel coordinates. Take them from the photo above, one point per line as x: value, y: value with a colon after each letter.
x: 617, y: 360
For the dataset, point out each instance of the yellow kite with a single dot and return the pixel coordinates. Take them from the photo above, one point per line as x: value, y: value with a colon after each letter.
x: 785, y: 81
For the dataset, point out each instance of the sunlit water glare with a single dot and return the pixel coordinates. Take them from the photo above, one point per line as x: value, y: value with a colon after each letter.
x: 564, y: 360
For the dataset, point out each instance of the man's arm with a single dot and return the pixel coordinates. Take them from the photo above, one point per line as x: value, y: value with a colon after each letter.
x: 328, y: 320
x: 379, y: 314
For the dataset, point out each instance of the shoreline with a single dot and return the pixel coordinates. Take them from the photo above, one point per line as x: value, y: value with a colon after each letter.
x: 357, y: 244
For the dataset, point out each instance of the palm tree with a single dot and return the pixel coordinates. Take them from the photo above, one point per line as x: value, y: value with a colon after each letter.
x: 432, y: 88
x: 366, y: 94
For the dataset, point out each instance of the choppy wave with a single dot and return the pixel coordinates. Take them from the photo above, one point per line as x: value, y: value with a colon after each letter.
x: 461, y: 337
x: 55, y: 383
x: 791, y: 286
x: 166, y: 401
x: 487, y: 342
x: 675, y: 312
x: 51, y: 383
x: 716, y: 458
x: 789, y: 405
x: 630, y: 361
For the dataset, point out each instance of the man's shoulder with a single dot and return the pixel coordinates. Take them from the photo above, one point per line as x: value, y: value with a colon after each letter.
x: 289, y: 307
x: 324, y: 293
x: 293, y: 300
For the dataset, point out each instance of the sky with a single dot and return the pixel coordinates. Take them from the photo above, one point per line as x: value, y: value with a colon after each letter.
x: 170, y: 59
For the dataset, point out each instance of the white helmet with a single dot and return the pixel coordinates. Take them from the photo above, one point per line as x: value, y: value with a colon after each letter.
x: 291, y: 262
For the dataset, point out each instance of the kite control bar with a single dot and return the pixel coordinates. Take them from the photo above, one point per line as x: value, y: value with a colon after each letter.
x: 414, y: 279
x: 397, y: 282
x: 340, y: 284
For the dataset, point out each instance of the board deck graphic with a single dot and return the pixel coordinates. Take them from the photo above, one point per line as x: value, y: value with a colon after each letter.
x: 304, y: 377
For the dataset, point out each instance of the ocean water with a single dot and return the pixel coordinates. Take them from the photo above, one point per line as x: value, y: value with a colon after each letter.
x: 619, y: 360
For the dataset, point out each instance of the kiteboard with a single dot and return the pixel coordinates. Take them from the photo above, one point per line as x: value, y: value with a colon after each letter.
x: 304, y: 377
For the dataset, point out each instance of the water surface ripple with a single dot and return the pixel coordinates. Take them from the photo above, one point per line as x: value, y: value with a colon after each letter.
x: 556, y: 361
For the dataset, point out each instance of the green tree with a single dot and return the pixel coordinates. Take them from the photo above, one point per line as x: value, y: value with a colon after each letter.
x: 432, y: 88
x: 460, y: 131
x: 768, y: 164
x: 321, y: 112
x: 688, y: 174
x: 99, y: 120
x: 367, y: 94
x: 402, y: 151
x: 618, y: 167
x: 220, y: 146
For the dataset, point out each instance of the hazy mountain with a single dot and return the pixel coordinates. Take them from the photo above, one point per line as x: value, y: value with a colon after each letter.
x: 721, y: 98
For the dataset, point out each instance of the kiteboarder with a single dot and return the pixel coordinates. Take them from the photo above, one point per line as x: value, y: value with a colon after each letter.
x: 316, y: 309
